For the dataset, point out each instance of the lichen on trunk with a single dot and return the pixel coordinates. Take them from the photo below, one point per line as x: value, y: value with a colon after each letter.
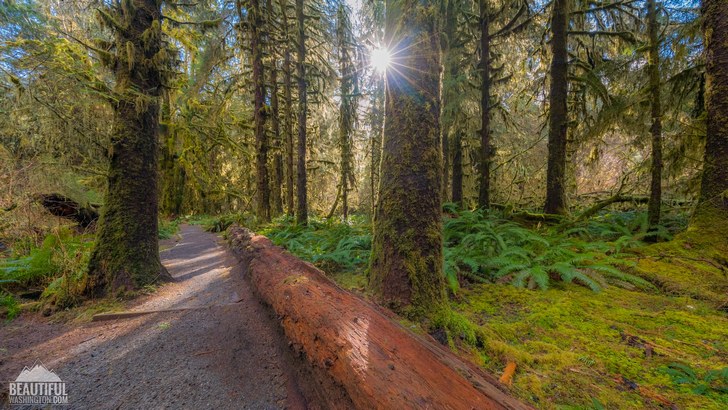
x: 126, y: 252
x: 712, y: 209
x: 406, y: 267
x: 558, y: 121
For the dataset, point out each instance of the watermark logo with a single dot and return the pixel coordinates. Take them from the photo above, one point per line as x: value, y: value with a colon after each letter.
x: 38, y: 385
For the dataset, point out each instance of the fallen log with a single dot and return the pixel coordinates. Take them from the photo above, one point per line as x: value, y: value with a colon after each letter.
x: 65, y: 207
x: 378, y: 362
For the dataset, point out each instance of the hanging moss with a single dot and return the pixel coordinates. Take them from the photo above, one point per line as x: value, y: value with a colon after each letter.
x: 126, y: 252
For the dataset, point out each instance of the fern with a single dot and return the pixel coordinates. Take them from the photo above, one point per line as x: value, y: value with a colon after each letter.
x: 482, y: 245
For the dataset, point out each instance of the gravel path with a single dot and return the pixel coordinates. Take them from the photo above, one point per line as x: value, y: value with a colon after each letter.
x: 217, y: 349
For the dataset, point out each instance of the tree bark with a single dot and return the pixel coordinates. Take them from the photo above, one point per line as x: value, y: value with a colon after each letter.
x: 457, y: 169
x: 406, y: 268
x: 126, y: 252
x: 558, y: 121
x: 288, y: 110
x: 712, y: 209
x: 377, y: 124
x: 276, y: 188
x: 484, y: 67
x: 653, y: 69
x: 262, y: 183
x: 346, y: 109
x: 302, y: 201
x: 173, y: 175
x: 448, y: 110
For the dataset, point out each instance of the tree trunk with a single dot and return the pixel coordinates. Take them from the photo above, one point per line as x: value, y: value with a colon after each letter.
x: 457, y: 169
x: 376, y: 147
x: 558, y: 121
x: 484, y: 67
x: 302, y: 201
x: 173, y: 174
x: 255, y: 23
x: 449, y: 93
x: 288, y: 110
x: 346, y: 109
x: 712, y: 210
x: 126, y: 252
x: 653, y: 69
x: 406, y: 267
x: 277, y: 201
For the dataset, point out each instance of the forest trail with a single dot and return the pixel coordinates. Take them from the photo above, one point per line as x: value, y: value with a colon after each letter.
x: 216, y: 347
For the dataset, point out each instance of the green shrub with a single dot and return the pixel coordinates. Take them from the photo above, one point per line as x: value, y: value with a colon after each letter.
x: 58, y: 265
x: 8, y: 306
x: 167, y: 229
x: 220, y: 223
x: 331, y: 245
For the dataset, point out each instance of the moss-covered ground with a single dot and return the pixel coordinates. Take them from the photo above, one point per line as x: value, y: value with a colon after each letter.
x: 575, y: 348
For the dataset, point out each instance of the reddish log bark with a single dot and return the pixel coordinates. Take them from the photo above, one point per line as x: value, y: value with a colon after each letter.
x: 379, y: 363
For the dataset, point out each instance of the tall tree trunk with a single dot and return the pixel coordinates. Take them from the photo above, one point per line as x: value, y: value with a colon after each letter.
x: 484, y: 67
x: 377, y: 124
x: 558, y: 120
x: 277, y: 185
x: 302, y: 201
x: 653, y: 69
x: 288, y: 109
x: 172, y: 174
x: 346, y: 109
x: 457, y: 168
x: 406, y: 268
x: 712, y: 209
x: 450, y: 98
x: 126, y: 252
x: 255, y: 23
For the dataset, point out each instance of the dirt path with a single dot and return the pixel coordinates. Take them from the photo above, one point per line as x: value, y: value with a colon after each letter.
x: 220, y: 351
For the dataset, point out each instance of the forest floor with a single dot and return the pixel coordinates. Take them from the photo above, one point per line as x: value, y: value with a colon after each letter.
x: 216, y: 348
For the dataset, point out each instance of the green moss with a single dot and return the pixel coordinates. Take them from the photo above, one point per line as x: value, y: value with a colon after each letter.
x: 693, y: 264
x: 569, y: 346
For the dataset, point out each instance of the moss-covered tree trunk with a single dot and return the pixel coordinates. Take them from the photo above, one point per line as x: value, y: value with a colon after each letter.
x: 449, y: 78
x: 457, y: 168
x: 288, y: 109
x: 347, y: 107
x: 653, y: 70
x: 173, y: 174
x: 484, y: 68
x: 276, y: 187
x: 126, y: 252
x: 377, y: 124
x: 302, y: 195
x: 558, y: 120
x: 406, y: 268
x: 712, y: 210
x: 262, y: 183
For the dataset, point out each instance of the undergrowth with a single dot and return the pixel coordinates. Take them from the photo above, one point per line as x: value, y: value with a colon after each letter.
x: 220, y: 223
x: 484, y: 247
x: 167, y: 228
x: 481, y: 246
x: 56, y: 268
x: 331, y: 245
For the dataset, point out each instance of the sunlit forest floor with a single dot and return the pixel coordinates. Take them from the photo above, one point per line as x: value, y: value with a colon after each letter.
x: 591, y: 315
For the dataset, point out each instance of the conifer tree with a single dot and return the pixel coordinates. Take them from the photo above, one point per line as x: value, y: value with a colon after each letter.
x: 126, y: 252
x: 407, y: 260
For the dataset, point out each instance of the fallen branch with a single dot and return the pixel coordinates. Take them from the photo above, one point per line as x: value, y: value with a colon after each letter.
x: 65, y: 207
x: 507, y: 377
